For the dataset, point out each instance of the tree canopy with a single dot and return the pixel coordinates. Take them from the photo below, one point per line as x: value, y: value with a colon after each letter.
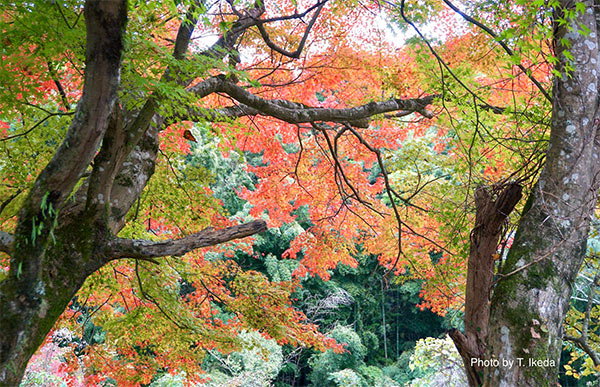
x: 185, y: 182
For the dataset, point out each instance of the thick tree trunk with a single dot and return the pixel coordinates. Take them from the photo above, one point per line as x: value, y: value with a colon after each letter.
x: 29, y: 313
x: 48, y: 263
x: 532, y: 296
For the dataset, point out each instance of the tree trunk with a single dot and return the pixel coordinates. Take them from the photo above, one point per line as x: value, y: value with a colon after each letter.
x: 532, y: 295
x: 48, y: 263
x: 29, y: 313
x: 516, y: 339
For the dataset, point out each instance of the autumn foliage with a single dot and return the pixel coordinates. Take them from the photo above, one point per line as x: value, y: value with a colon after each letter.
x: 397, y: 187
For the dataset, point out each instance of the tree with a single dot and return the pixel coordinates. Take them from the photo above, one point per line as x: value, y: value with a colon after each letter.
x: 530, y: 297
x: 70, y: 216
x: 326, y: 146
x: 327, y: 363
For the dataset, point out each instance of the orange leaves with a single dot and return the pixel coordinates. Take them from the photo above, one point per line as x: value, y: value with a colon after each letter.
x: 213, y: 301
x: 175, y: 138
x: 322, y: 250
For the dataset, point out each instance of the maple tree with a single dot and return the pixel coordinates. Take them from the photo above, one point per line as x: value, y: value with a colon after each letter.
x: 375, y: 146
x: 66, y: 215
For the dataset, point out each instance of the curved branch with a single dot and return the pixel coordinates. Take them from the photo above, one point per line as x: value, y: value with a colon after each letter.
x: 105, y: 26
x: 138, y: 126
x: 296, y: 53
x: 196, y: 114
x: 59, y: 87
x: 121, y: 139
x: 9, y: 200
x: 144, y: 249
x: 295, y: 113
x: 583, y: 344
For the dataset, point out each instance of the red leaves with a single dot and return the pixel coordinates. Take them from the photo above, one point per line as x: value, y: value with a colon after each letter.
x: 173, y: 139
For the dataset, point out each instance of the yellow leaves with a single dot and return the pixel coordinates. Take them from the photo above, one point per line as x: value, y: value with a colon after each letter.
x: 589, y: 368
x: 571, y: 371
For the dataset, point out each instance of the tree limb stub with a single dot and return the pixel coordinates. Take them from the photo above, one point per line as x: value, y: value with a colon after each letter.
x: 490, y: 215
x: 144, y: 249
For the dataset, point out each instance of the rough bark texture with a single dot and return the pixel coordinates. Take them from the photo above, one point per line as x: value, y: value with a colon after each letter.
x: 34, y: 294
x: 142, y: 249
x: 490, y: 216
x: 532, y: 296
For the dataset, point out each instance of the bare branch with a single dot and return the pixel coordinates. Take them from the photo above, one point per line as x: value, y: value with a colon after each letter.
x: 583, y: 344
x: 295, y: 113
x: 37, y: 124
x: 9, y: 200
x: 59, y: 87
x: 504, y: 46
x: 296, y: 53
x: 144, y: 249
x: 214, y: 115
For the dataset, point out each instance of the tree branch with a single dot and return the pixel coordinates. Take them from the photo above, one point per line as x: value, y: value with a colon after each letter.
x: 144, y: 249
x: 148, y: 121
x: 59, y: 87
x: 132, y: 178
x: 196, y: 114
x: 120, y: 139
x: 105, y: 25
x: 9, y: 200
x: 296, y: 53
x: 582, y: 341
x: 583, y: 344
x: 295, y: 113
x: 504, y: 46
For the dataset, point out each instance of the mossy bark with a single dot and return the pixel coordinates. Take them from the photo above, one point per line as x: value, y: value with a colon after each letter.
x: 30, y: 308
x: 51, y: 255
x: 532, y: 295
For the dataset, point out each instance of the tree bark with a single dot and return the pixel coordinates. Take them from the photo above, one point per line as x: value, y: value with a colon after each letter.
x: 532, y: 295
x: 490, y: 215
x: 37, y: 289
x: 29, y: 314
